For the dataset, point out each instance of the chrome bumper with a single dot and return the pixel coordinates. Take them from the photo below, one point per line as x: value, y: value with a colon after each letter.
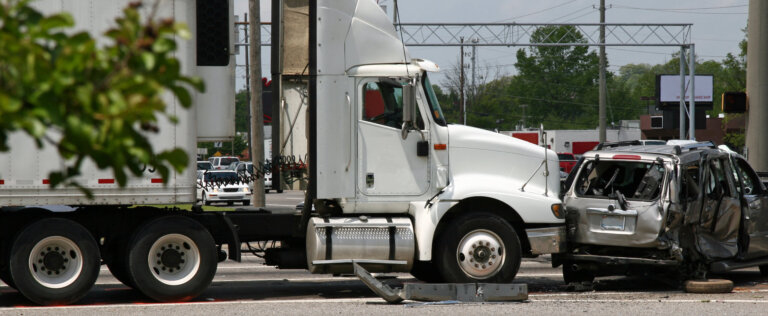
x: 546, y: 240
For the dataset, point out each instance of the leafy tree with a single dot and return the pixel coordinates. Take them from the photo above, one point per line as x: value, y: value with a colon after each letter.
x: 242, y: 105
x: 90, y: 102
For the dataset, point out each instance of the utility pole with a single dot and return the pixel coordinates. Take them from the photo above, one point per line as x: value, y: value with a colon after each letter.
x: 474, y: 86
x: 602, y: 97
x: 257, y: 110
x: 248, y: 90
x: 757, y: 85
x: 462, y: 103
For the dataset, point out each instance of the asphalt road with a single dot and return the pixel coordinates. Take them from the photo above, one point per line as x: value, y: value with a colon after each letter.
x: 249, y: 288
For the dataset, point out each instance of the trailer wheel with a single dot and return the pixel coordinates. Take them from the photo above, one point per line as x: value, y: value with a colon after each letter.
x: 54, y: 261
x: 5, y: 276
x: 479, y: 247
x: 118, y: 264
x: 172, y: 258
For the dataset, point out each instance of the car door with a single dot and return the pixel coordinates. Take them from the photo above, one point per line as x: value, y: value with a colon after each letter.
x: 755, y: 208
x: 717, y: 230
x: 388, y: 164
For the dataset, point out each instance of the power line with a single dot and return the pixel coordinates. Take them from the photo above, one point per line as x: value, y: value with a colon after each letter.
x: 536, y: 12
x: 572, y: 13
x: 686, y: 11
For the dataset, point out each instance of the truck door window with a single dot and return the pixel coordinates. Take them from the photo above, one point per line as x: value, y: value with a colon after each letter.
x: 383, y: 103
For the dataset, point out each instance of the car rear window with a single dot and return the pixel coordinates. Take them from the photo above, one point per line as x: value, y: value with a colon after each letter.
x: 221, y: 176
x: 228, y: 161
x: 566, y: 157
x: 204, y: 166
x: 633, y: 179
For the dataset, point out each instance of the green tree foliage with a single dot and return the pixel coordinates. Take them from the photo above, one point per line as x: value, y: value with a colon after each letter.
x: 90, y: 102
x: 242, y: 105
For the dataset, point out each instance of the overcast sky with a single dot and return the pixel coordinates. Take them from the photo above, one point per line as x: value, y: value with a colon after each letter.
x: 717, y: 26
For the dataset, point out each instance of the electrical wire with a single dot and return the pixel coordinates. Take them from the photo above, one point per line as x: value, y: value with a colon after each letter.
x: 536, y: 12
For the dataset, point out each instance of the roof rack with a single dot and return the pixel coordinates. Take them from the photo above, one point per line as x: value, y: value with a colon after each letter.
x: 693, y: 146
x: 618, y: 144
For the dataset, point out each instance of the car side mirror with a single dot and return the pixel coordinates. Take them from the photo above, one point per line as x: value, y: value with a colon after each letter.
x: 409, y: 108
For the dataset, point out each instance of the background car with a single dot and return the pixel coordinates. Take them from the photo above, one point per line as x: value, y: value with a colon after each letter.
x: 567, y: 161
x: 220, y: 163
x: 222, y: 186
x: 246, y: 168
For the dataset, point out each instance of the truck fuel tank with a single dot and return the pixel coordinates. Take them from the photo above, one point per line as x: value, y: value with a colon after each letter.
x: 380, y: 244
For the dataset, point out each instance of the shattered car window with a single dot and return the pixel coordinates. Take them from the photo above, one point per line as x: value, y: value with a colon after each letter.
x: 690, y: 185
x: 634, y: 180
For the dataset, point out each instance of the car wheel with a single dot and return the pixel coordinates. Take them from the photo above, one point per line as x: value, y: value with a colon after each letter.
x: 764, y: 270
x: 573, y: 274
x: 230, y: 203
x: 266, y: 190
x: 708, y: 286
x: 479, y: 248
x: 54, y: 261
x: 279, y: 190
x: 172, y: 258
x: 246, y: 202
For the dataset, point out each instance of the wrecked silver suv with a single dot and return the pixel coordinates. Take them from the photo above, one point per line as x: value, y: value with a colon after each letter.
x: 631, y: 208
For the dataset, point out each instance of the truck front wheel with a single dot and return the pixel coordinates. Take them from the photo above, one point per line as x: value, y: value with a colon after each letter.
x: 54, y: 261
x: 479, y: 248
x: 172, y: 258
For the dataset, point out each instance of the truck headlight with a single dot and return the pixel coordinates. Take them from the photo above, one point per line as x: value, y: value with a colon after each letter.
x: 557, y: 210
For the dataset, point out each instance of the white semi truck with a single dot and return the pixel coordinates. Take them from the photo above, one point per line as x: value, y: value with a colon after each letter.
x: 394, y: 187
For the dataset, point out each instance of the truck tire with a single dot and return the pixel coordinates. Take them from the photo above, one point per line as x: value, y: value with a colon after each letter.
x: 118, y: 264
x: 54, y: 261
x: 763, y: 270
x: 479, y: 247
x: 708, y: 286
x: 172, y: 258
x: 426, y: 271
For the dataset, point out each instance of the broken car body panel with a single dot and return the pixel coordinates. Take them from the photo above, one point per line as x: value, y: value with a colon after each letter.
x: 693, y: 204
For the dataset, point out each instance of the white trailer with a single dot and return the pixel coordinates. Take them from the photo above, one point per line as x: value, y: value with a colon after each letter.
x: 394, y: 187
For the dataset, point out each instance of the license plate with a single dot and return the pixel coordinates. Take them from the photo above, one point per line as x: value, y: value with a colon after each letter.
x: 609, y: 222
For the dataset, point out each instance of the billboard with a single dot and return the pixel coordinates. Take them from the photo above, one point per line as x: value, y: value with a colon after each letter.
x: 668, y: 90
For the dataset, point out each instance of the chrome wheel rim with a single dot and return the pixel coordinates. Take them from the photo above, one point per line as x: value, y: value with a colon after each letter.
x: 481, y: 254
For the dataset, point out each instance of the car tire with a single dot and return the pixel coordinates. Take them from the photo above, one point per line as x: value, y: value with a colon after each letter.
x: 266, y: 190
x: 479, y: 247
x: 708, y: 286
x: 172, y: 258
x: 54, y: 261
x: 246, y: 203
x: 573, y: 275
x: 763, y: 270
x: 279, y: 190
x: 230, y: 203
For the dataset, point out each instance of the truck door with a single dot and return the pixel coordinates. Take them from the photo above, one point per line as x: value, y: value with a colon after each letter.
x: 387, y: 163
x: 755, y: 208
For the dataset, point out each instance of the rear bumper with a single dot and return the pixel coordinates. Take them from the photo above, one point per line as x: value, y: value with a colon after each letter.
x: 546, y: 240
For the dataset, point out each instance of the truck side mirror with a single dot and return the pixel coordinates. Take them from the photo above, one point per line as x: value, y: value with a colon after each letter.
x: 409, y: 108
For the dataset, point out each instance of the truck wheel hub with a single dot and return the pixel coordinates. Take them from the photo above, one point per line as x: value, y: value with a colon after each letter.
x: 55, y: 262
x: 480, y: 254
x: 174, y: 259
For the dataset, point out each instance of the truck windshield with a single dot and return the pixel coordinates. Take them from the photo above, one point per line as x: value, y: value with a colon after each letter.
x: 606, y: 178
x: 434, y: 105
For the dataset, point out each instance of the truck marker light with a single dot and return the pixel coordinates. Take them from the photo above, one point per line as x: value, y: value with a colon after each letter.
x: 46, y: 181
x: 2, y: 182
x: 157, y: 180
x: 441, y: 146
x: 106, y: 181
x: 557, y: 210
x: 627, y: 157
